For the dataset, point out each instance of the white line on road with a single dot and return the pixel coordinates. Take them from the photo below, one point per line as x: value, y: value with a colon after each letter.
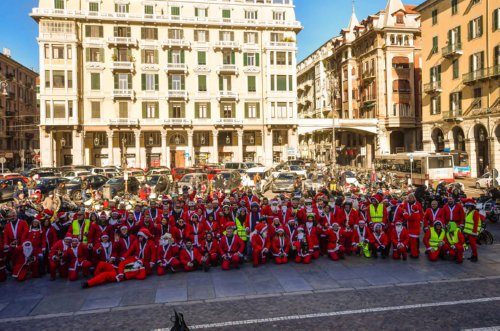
x: 338, y: 313
x: 488, y: 328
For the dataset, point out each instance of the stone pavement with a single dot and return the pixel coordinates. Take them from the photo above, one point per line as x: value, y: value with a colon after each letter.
x: 37, y: 297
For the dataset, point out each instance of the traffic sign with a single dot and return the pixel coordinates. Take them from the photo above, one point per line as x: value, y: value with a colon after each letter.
x: 411, y: 157
x: 3, y: 160
x: 186, y: 154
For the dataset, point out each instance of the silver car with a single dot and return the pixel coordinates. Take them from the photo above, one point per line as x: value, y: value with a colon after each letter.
x: 284, y: 182
x: 190, y: 180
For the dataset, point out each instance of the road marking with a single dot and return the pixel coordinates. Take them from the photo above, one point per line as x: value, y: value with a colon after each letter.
x: 488, y: 328
x: 337, y: 313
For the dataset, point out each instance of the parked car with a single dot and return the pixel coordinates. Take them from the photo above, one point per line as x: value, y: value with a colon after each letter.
x: 486, y: 181
x: 161, y: 171
x: 301, y: 163
x: 284, y: 182
x: 190, y: 179
x: 265, y: 174
x: 159, y: 183
x: 45, y: 172
x: 106, y: 171
x: 314, y: 181
x: 7, y: 188
x: 116, y: 185
x: 229, y: 180
x: 236, y: 166
x: 47, y: 184
x: 74, y: 186
x: 75, y: 173
x: 299, y: 170
x: 178, y: 173
x: 13, y: 175
x: 137, y: 173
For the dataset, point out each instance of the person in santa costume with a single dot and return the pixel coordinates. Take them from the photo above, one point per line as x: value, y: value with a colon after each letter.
x: 225, y: 217
x: 210, y: 251
x: 326, y: 219
x: 280, y: 247
x: 311, y: 231
x: 273, y: 227
x: 302, y: 247
x: 37, y: 238
x: 105, y: 250
x: 377, y: 213
x: 348, y: 219
x: 56, y: 258
x: 413, y: 217
x: 108, y: 273
x: 168, y: 255
x: 307, y: 210
x: 361, y: 239
x: 211, y: 225
x: 453, y: 212
x: 274, y: 212
x: 125, y: 242
x: 190, y: 257
x: 454, y: 243
x: 432, y: 214
x: 25, y: 261
x: 471, y: 226
x: 77, y: 258
x: 335, y: 237
x: 291, y: 233
x: 197, y: 228
x: 144, y: 249
x: 379, y: 242
x: 400, y: 241
x: 99, y: 228
x: 231, y: 248
x: 14, y: 234
x: 434, y: 241
x: 260, y: 244
x: 80, y: 226
x: 185, y: 231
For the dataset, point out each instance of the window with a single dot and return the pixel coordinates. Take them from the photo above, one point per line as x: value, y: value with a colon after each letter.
x: 59, y: 109
x: 435, y: 73
x: 226, y: 13
x: 434, y: 17
x: 58, y: 52
x: 476, y: 62
x: 456, y: 69
x: 251, y: 14
x: 227, y: 110
x: 476, y: 28
x: 121, y: 8
x: 150, y: 82
x: 202, y: 110
x: 225, y: 83
x: 95, y: 107
x: 400, y: 19
x: 279, y: 15
x: 251, y: 59
x: 175, y: 34
x: 401, y: 85
x: 249, y: 138
x: 123, y: 110
x: 176, y: 83
x: 149, y: 56
x: 94, y: 31
x: 149, y: 10
x: 454, y: 7
x: 435, y: 45
x: 281, y: 82
x: 149, y: 33
x: 93, y: 6
x: 70, y: 79
x: 123, y: 82
x: 202, y: 83
x: 252, y: 85
x: 150, y: 110
x: 121, y: 31
x: 175, y: 11
x: 401, y: 109
x: 176, y: 110
x: 226, y: 35
x: 228, y: 57
x: 201, y: 12
x: 281, y: 58
x: 252, y: 110
x: 95, y: 54
x: 58, y: 79
x: 250, y: 38
x: 128, y: 138
x: 95, y: 81
x: 202, y: 57
x: 455, y: 101
x: 201, y: 36
x: 496, y: 19
x: 478, y: 93
x: 201, y: 138
x: 59, y: 4
x: 435, y: 105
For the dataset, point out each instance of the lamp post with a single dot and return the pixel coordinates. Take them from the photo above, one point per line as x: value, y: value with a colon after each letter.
x: 124, y: 164
x: 3, y: 86
x: 334, y: 92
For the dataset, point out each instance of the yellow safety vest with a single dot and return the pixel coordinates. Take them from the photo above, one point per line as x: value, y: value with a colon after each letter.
x: 453, y: 240
x: 377, y: 215
x: 469, y: 223
x: 240, y: 229
x: 76, y: 229
x: 435, y: 239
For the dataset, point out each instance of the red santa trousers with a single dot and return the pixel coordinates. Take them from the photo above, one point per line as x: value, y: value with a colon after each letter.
x: 21, y: 270
x: 73, y: 272
x: 258, y: 258
x: 281, y: 260
x: 173, y: 265
x: 104, y: 273
x: 303, y: 259
x: 473, y: 244
x: 455, y: 253
x: 414, y: 246
x: 433, y: 255
x: 399, y: 252
x: 234, y: 261
x: 57, y: 266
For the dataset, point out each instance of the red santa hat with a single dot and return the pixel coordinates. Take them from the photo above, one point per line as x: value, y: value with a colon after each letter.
x: 48, y: 213
x: 61, y: 214
x: 300, y: 228
x: 377, y: 197
x: 274, y: 202
x: 361, y: 221
x: 195, y: 215
x: 123, y: 226
x: 469, y: 202
x: 280, y: 229
x: 75, y: 238
x: 414, y: 208
x: 398, y: 222
x: 276, y: 218
x: 438, y: 221
x: 68, y: 237
x: 261, y: 227
x: 230, y: 225
x: 103, y: 214
x: 191, y: 204
x: 291, y: 219
x: 393, y: 202
x: 377, y: 226
x: 143, y: 232
x: 115, y: 212
x: 104, y: 235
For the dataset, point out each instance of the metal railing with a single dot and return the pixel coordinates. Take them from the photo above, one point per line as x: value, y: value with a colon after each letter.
x: 432, y: 87
x: 452, y: 49
x: 475, y: 75
x: 452, y: 114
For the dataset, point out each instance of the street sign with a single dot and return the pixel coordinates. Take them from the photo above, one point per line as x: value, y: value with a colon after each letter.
x: 291, y: 150
x: 9, y: 155
x: 411, y: 157
x: 362, y: 151
x: 186, y: 154
x: 3, y: 160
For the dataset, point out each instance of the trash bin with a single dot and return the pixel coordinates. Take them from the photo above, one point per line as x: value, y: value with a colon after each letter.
x: 106, y: 192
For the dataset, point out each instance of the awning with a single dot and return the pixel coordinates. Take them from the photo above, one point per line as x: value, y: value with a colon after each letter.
x: 400, y: 60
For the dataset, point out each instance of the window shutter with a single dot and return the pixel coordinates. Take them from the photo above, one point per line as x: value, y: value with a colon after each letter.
x: 245, y: 59
x: 196, y: 12
x: 496, y: 13
x: 209, y: 110
x: 129, y: 81
x: 183, y: 110
x: 143, y: 33
x: 480, y: 26
x: 246, y: 110
x: 87, y: 54
x: 272, y: 82
x: 155, y: 34
x: 221, y: 83
x: 87, y: 31
x: 129, y: 54
x: 449, y: 37
x: 290, y: 82
x: 481, y: 66
x: 195, y: 35
x: 143, y: 56
x: 157, y: 82
x: 439, y: 73
x: 156, y: 56
x: 471, y: 63
x: 257, y: 60
x: 128, y: 32
x: 196, y: 110
x: 143, y: 82
x: 101, y: 55
x: 116, y: 82
x: 115, y: 31
x: 169, y: 56
x: 470, y: 30
x: 257, y: 110
x: 144, y: 110
x: 451, y: 101
x: 115, y: 53
x: 183, y: 83
x: 182, y: 56
x: 233, y: 58
x: 170, y: 111
x: 459, y: 34
x: 439, y: 104
x: 169, y: 82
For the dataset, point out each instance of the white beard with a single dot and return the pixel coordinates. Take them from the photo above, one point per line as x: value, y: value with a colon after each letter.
x: 105, y: 245
x: 284, y: 208
x: 209, y: 211
x: 275, y: 209
x: 399, y: 228
x: 309, y: 209
x: 309, y: 224
x: 300, y: 236
x: 27, y: 250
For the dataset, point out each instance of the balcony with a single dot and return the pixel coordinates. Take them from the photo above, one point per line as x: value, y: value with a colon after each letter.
x: 62, y: 37
x: 123, y: 121
x: 122, y: 65
x: 472, y: 77
x: 494, y: 71
x: 128, y: 41
x: 453, y: 115
x: 433, y: 87
x: 227, y: 95
x: 176, y: 67
x: 222, y: 44
x: 452, y: 50
x: 56, y: 121
x: 176, y: 43
x: 177, y: 94
x: 177, y: 121
x: 93, y: 42
x: 123, y: 93
x: 227, y: 69
x: 368, y: 75
x: 285, y: 45
x: 149, y: 43
x: 150, y: 67
x: 228, y: 121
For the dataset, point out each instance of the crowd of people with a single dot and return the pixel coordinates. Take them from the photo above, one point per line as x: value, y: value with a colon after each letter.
x: 188, y: 232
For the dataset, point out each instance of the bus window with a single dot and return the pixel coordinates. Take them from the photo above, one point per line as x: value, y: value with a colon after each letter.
x: 417, y: 166
x: 440, y: 162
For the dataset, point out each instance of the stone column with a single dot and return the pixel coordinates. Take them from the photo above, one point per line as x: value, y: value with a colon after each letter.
x: 137, y: 134
x: 78, y: 146
x: 46, y: 149
x: 164, y: 161
x: 110, y: 147
x: 215, y: 147
x: 239, y: 153
x: 190, y: 160
x: 268, y: 156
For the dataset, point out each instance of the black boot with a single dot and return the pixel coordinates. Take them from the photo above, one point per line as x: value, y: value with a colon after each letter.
x: 473, y: 259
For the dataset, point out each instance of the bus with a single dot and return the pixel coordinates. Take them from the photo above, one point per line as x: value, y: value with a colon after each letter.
x: 426, y: 169
x: 461, y: 166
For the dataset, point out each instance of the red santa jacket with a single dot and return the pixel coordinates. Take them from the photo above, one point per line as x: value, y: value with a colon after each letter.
x: 430, y: 216
x: 361, y: 234
x: 75, y: 256
x: 37, y: 239
x: 211, y: 247
x: 291, y: 233
x: 350, y: 218
x: 280, y: 246
x: 259, y: 243
x: 144, y: 251
x: 413, y: 216
x: 401, y: 237
x: 228, y: 248
x: 59, y: 247
x: 192, y: 256
x: 335, y: 239
x: 17, y: 231
x: 455, y: 213
x: 211, y: 226
x: 125, y: 244
x: 167, y: 253
x: 106, y: 254
x: 312, y: 236
x: 379, y: 240
x: 97, y: 230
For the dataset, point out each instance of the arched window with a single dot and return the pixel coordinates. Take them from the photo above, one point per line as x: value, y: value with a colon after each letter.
x: 177, y: 139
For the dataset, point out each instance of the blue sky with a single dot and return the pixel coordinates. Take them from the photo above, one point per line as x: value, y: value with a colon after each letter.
x: 322, y: 19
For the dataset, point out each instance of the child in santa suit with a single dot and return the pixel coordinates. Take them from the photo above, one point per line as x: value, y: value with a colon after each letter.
x: 335, y: 237
x: 190, y: 257
x: 76, y: 257
x: 280, y: 247
x: 302, y: 247
x: 260, y: 244
x: 361, y: 239
x: 24, y: 261
x: 56, y: 258
x: 454, y: 243
x: 168, y: 255
x: 105, y: 272
x: 231, y: 247
x: 379, y: 242
x: 400, y: 241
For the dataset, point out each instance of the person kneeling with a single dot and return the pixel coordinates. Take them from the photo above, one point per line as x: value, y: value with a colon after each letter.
x: 379, y: 242
x: 400, y: 241
x: 280, y: 247
x: 190, y: 256
x: 434, y: 241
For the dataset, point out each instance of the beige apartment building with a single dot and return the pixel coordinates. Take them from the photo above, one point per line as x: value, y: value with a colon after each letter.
x: 19, y: 136
x: 368, y: 78
x: 461, y: 79
x: 171, y: 83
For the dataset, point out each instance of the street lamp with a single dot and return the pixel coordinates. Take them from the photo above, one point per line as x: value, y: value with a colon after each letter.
x: 228, y: 139
x: 251, y: 139
x: 3, y: 85
x: 150, y: 141
x: 280, y: 139
x: 63, y: 142
x: 481, y: 136
x: 124, y: 164
x: 177, y: 140
x: 96, y: 141
x: 202, y: 139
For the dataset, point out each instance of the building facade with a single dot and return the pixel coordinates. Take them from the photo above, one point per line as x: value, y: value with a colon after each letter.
x: 167, y: 83
x: 19, y: 114
x: 367, y: 78
x: 461, y: 79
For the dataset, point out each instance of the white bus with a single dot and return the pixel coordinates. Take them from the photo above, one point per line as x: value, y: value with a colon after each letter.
x: 426, y: 169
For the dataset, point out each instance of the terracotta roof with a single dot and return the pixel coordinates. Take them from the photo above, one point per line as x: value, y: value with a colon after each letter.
x: 410, y: 9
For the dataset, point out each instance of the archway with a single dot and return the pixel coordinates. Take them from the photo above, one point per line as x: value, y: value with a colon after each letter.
x: 438, y: 140
x: 397, y: 142
x: 482, y: 149
x: 458, y: 139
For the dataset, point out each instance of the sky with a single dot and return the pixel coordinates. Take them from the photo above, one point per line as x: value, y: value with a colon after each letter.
x: 321, y: 19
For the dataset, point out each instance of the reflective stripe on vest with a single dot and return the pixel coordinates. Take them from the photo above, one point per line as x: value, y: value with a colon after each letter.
x: 453, y: 240
x: 241, y: 231
x: 76, y: 230
x: 377, y: 216
x: 469, y: 223
x: 435, y: 239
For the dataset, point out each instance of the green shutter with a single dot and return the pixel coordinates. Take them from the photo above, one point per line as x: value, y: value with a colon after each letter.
x: 144, y: 110
x: 129, y: 54
x: 157, y: 82
x: 245, y: 59
x: 252, y: 84
x: 182, y: 56
x: 257, y: 60
x: 143, y: 33
x: 459, y: 34
x: 290, y: 83
x: 226, y: 13
x: 246, y: 110
x: 495, y: 19
x: 116, y: 82
x: 196, y: 12
x: 156, y: 56
x: 480, y: 25
x: 470, y: 30
x: 129, y: 32
x: 170, y: 111
x: 449, y: 37
x: 169, y: 56
x: 439, y: 73
x: 87, y: 54
x: 183, y: 83
x: 272, y: 82
x: 143, y: 82
x: 129, y: 80
x: 101, y: 53
x: 233, y: 61
x: 169, y: 82
x: 209, y: 110
x: 143, y: 56
x: 87, y: 31
x: 196, y: 110
x: 221, y: 83
x: 201, y: 58
x: 257, y: 110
